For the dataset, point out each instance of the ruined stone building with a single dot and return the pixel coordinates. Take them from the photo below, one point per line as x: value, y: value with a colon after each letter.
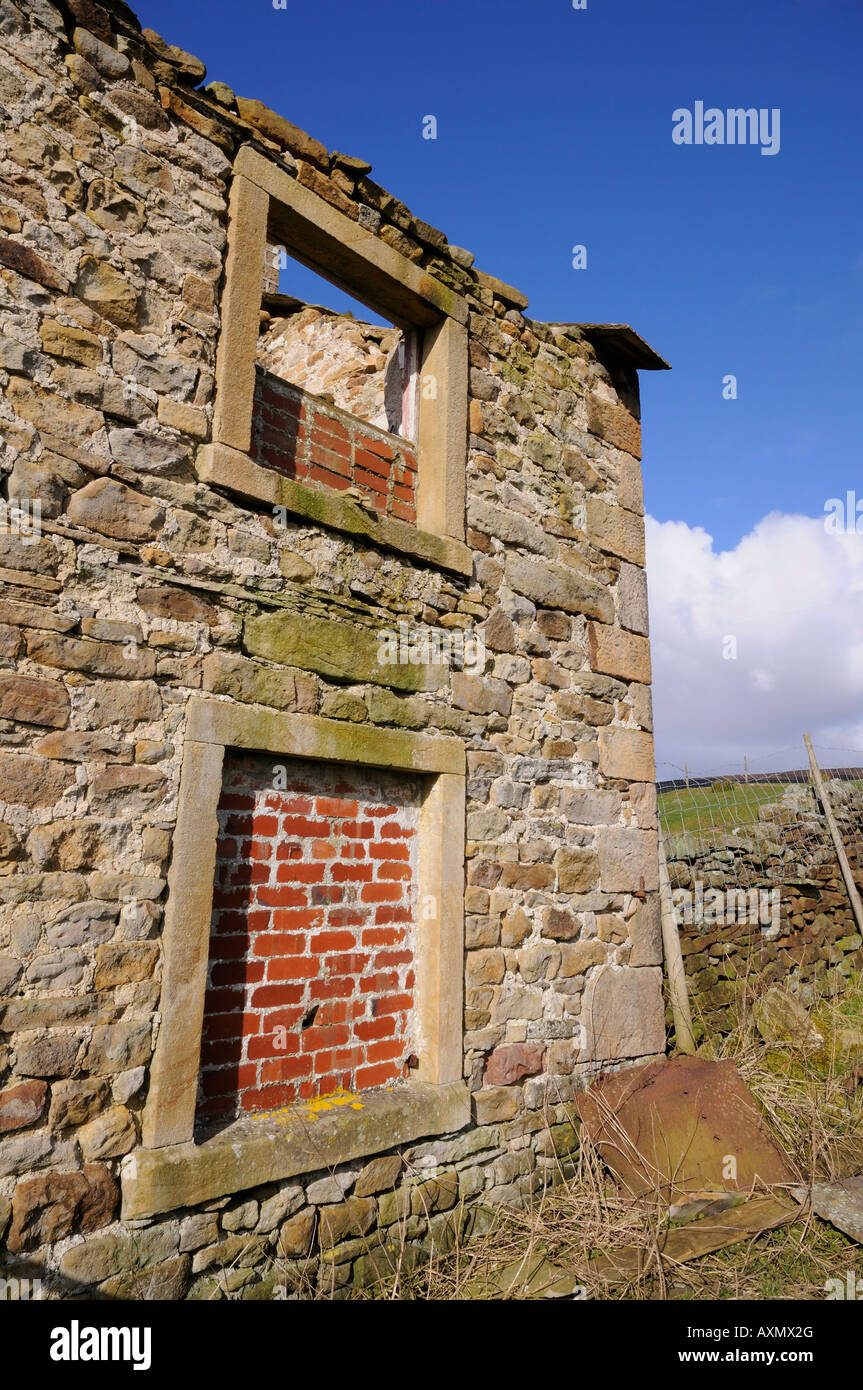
x: 328, y: 826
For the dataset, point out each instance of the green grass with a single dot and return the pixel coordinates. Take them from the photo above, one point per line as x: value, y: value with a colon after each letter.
x: 722, y: 805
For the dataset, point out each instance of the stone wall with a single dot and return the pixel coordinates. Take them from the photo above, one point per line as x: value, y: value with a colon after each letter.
x: 148, y: 596
x: 813, y: 949
x: 360, y: 366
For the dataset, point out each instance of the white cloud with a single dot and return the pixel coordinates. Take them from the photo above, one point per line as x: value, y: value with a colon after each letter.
x: 791, y: 595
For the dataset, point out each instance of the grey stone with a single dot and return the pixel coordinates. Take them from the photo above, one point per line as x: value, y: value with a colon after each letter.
x: 276, y: 1208
x: 52, y: 1055
x: 553, y: 585
x: 623, y: 1013
x: 628, y: 860
x: 632, y: 599
x: 329, y: 1189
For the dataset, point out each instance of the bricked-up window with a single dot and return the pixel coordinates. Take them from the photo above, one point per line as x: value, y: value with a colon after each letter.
x: 311, y: 981
x: 305, y: 438
x: 335, y: 393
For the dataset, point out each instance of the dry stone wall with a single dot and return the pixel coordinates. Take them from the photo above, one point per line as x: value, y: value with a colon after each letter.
x: 141, y: 588
x: 810, y: 945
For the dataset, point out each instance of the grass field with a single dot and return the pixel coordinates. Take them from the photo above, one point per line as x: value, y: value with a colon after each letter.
x: 723, y: 805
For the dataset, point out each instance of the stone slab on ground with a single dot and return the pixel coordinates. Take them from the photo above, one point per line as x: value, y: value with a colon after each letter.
x: 669, y: 1128
x: 683, y: 1243
x: 840, y: 1203
x: 533, y: 1276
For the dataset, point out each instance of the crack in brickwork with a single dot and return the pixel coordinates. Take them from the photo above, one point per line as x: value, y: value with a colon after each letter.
x: 311, y: 978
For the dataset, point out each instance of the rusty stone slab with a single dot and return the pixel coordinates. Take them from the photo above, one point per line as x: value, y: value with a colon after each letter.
x: 674, y: 1127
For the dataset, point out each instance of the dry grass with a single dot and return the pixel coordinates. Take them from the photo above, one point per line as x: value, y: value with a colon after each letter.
x: 813, y: 1103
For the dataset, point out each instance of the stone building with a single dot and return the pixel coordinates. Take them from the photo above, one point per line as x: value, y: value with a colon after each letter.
x: 328, y: 832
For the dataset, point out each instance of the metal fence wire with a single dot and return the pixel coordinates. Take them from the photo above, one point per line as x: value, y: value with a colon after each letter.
x: 764, y: 827
x: 760, y: 882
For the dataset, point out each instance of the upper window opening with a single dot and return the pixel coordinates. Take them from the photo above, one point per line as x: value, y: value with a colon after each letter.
x: 320, y: 339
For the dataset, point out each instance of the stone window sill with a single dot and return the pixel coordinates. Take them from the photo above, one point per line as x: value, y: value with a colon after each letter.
x: 228, y: 468
x: 258, y: 1150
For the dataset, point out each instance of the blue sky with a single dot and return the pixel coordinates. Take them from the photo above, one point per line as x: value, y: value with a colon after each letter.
x: 554, y: 129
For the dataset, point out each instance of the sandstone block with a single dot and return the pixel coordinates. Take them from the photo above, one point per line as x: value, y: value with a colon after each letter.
x: 33, y: 700
x: 65, y: 420
x: 642, y: 796
x: 118, y: 1047
x: 99, y: 658
x: 553, y: 585
x: 102, y: 56
x: 353, y: 1217
x: 73, y: 1103
x: 53, y: 1054
x: 630, y: 488
x: 508, y: 526
x: 495, y: 1104
x: 481, y: 695
x: 124, y: 704
x: 75, y: 344
x: 106, y: 290
x: 30, y: 556
x: 624, y: 1014
x: 645, y: 933
x: 614, y: 423
x: 21, y: 1105
x: 50, y: 1208
x: 632, y: 599
x: 296, y: 1235
x: 510, y: 1063
x: 113, y: 509
x: 578, y: 956
x: 616, y: 531
x: 185, y: 418
x: 341, y: 651
x: 95, y: 1260
x: 484, y: 968
x: 32, y: 781
x: 588, y: 807
x: 118, y: 963
x: 628, y: 859
x: 109, y: 1135
x: 379, y: 1175
x: 255, y: 684
x: 282, y: 132
x: 577, y: 870
x: 627, y: 754
x: 614, y: 652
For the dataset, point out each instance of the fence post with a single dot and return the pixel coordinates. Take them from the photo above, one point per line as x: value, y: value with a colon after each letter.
x: 854, y: 896
x: 674, y: 970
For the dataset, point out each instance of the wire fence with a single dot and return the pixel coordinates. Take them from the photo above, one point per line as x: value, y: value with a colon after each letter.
x: 765, y: 872
x: 763, y: 826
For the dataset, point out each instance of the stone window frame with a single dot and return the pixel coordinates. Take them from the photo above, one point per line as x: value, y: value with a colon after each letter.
x: 266, y: 200
x: 170, y: 1169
